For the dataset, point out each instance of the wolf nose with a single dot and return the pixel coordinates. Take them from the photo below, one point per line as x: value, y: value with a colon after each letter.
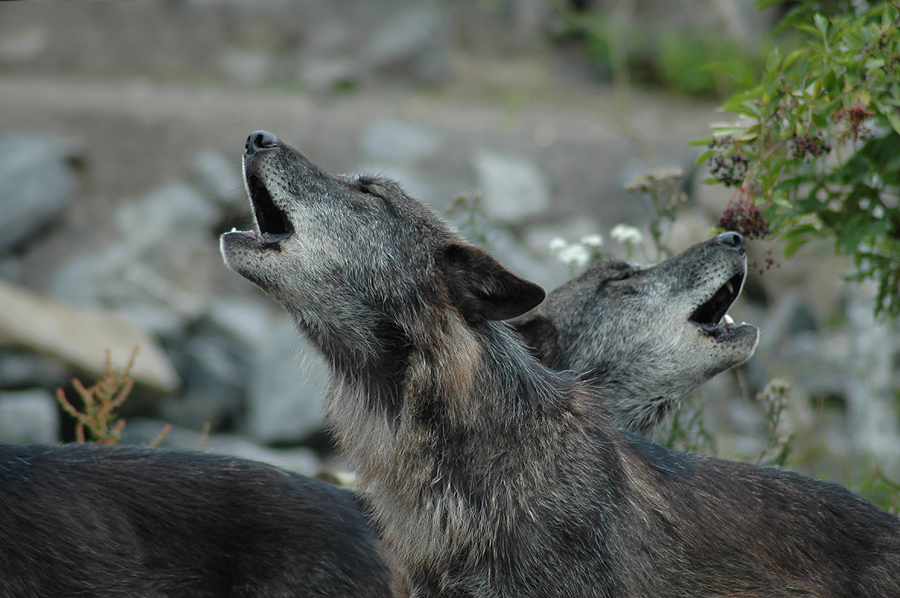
x: 731, y: 240
x: 259, y: 140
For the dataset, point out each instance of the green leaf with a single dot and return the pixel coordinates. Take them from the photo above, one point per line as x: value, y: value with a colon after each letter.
x: 702, y: 158
x: 797, y: 238
x: 874, y: 63
x: 772, y: 60
x: 703, y: 141
x: 821, y: 25
x: 791, y: 58
x: 807, y: 29
x: 893, y: 119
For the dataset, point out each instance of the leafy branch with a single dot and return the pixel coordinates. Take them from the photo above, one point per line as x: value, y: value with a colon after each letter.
x: 815, y: 153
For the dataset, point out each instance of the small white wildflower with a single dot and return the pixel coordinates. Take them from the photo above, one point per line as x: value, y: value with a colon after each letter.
x: 557, y: 244
x: 626, y: 235
x: 670, y: 173
x: 575, y: 255
x: 592, y: 240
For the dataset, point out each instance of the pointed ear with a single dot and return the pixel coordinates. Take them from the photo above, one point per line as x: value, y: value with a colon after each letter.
x: 481, y: 287
x: 540, y: 336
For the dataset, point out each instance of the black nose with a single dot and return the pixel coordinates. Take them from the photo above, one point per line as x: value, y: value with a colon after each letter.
x: 732, y: 240
x: 259, y: 140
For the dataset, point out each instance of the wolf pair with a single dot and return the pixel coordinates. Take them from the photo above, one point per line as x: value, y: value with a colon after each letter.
x: 492, y: 475
x: 114, y: 522
x: 488, y: 473
x: 94, y: 521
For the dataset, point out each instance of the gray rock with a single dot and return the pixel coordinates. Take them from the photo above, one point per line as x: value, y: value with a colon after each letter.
x: 246, y: 66
x: 395, y: 141
x: 325, y: 73
x: 287, y: 387
x: 814, y: 362
x: 214, y: 369
x: 28, y: 417
x: 158, y: 272
x: 513, y: 188
x: 412, y: 37
x: 12, y: 270
x: 36, y: 184
x: 21, y: 370
x: 244, y: 320
x: 871, y: 395
x: 24, y: 45
x: 81, y: 339
x: 220, y: 178
x: 167, y: 210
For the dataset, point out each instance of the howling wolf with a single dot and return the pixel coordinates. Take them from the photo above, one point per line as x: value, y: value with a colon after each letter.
x: 490, y: 474
x: 647, y: 336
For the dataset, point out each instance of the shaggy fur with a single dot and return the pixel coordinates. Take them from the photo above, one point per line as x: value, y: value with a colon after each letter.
x: 104, y: 522
x: 313, y: 539
x: 647, y: 336
x: 490, y: 474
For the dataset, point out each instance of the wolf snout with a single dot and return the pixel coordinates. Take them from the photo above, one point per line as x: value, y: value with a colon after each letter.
x: 731, y: 240
x: 259, y: 140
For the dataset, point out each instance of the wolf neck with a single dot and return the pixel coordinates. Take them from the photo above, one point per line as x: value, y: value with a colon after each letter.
x: 456, y: 377
x: 479, y: 426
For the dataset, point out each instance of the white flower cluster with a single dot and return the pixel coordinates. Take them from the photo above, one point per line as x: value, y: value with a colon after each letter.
x: 576, y: 255
x: 626, y: 235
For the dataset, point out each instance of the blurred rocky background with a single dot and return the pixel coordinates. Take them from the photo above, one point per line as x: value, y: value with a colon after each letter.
x: 121, y: 130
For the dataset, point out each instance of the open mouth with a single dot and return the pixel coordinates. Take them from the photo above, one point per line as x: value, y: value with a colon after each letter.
x: 271, y: 221
x: 711, y: 316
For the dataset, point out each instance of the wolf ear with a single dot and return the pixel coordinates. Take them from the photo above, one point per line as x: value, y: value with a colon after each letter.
x: 482, y: 288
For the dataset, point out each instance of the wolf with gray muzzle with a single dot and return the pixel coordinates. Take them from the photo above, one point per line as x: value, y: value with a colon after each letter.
x: 491, y: 475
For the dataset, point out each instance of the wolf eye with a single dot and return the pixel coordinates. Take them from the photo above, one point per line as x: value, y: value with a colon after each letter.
x: 369, y: 188
x: 624, y: 274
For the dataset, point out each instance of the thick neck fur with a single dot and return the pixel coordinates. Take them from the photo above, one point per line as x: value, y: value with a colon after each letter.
x: 467, y: 454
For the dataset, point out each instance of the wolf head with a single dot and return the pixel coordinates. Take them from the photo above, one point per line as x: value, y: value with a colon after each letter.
x: 363, y: 268
x: 648, y: 335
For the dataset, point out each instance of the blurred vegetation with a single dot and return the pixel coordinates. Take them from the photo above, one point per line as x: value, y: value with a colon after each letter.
x: 100, y: 403
x: 815, y: 153
x: 688, y: 62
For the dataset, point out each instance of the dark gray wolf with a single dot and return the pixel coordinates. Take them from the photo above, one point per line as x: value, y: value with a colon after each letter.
x: 114, y: 522
x: 647, y: 336
x: 490, y: 474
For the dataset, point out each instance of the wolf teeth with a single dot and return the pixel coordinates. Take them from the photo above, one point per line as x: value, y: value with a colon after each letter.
x: 729, y: 287
x: 728, y: 319
x: 234, y: 229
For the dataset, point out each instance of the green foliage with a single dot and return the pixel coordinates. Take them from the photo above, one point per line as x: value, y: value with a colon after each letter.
x: 690, y: 63
x: 686, y: 430
x: 705, y: 63
x: 816, y: 152
x: 661, y: 189
x: 469, y: 216
x: 883, y: 491
x: 774, y: 399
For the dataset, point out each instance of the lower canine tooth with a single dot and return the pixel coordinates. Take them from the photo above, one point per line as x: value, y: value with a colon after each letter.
x: 728, y: 319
